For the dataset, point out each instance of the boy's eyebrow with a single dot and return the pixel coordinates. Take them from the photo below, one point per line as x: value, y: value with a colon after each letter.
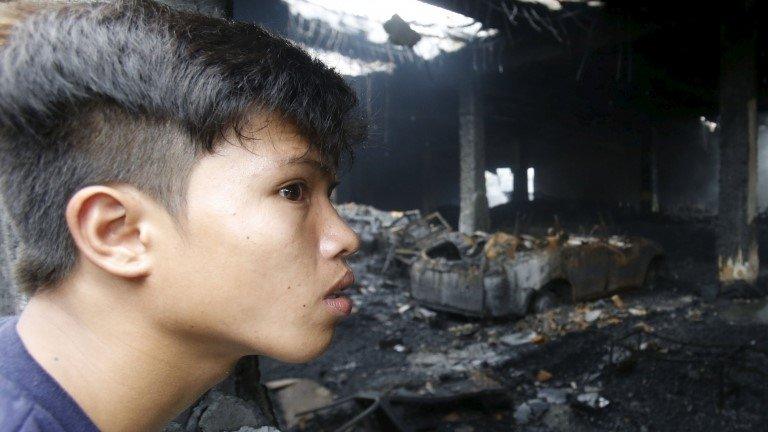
x: 324, y: 168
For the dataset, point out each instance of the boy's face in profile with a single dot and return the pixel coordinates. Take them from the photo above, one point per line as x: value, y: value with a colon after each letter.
x: 260, y: 253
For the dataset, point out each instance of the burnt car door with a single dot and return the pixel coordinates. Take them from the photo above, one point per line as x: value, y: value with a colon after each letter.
x: 588, y: 264
x: 450, y: 285
x: 632, y: 259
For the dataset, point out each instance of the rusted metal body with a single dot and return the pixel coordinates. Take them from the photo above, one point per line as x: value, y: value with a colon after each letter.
x: 500, y: 275
x: 371, y: 224
x: 410, y: 234
x: 403, y: 234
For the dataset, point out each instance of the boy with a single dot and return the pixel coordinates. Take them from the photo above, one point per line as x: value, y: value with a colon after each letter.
x: 168, y: 176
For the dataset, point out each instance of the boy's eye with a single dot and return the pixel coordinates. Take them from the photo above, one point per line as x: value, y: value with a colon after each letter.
x: 293, y: 192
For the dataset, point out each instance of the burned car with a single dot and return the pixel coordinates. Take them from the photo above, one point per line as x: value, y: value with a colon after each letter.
x: 502, y: 275
x: 410, y: 234
x: 372, y: 224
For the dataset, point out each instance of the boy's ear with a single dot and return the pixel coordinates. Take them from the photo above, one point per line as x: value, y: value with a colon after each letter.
x: 110, y: 229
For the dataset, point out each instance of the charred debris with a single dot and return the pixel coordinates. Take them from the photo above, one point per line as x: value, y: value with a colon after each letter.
x: 511, y: 331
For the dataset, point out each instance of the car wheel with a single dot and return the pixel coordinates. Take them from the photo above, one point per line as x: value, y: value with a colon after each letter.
x: 544, y: 301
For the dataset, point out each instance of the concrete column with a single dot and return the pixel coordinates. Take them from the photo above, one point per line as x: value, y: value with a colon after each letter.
x: 762, y: 163
x: 473, y: 215
x: 737, y: 260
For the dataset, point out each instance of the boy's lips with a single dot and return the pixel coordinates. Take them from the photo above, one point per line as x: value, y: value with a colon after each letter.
x: 345, y: 281
x: 338, y: 303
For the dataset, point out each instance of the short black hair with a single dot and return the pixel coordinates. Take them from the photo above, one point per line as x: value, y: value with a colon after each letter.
x: 136, y: 92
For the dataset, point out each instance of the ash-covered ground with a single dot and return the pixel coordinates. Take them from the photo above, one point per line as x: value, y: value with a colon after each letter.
x: 665, y: 360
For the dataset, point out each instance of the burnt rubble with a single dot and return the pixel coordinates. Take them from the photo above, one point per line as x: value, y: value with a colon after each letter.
x: 640, y: 360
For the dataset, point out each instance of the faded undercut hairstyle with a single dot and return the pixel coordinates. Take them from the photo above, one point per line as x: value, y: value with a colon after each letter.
x: 134, y: 92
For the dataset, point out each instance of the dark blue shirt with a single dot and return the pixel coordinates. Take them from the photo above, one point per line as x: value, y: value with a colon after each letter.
x: 30, y: 399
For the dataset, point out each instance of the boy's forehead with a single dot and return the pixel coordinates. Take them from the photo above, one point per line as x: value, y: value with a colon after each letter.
x: 279, y: 143
x: 310, y: 159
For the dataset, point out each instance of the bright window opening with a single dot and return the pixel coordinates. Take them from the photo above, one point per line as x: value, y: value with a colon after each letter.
x: 494, y: 190
x: 506, y: 179
x: 499, y: 186
x: 531, y: 175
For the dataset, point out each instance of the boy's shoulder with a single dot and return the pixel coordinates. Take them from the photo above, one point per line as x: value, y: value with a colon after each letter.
x: 30, y: 400
x: 19, y: 413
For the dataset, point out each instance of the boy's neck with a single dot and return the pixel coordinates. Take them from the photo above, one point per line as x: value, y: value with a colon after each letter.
x: 124, y: 374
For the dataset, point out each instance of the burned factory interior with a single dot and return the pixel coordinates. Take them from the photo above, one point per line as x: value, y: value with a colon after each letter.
x: 562, y: 208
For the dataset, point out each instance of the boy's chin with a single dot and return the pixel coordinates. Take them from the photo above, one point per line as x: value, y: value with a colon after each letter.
x: 301, y: 352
